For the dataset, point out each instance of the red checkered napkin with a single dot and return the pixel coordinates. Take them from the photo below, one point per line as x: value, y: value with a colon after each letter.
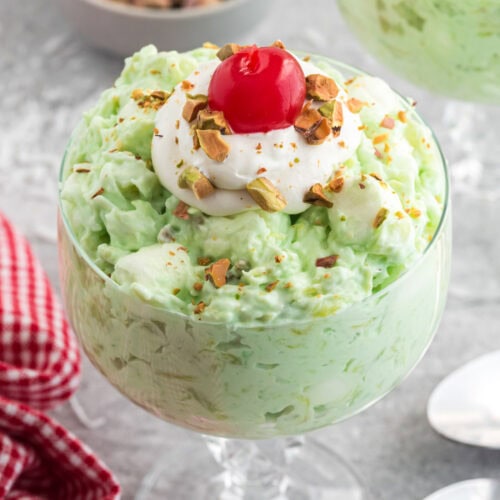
x: 39, y: 368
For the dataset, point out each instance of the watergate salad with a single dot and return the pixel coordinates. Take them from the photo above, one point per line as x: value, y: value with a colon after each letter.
x: 246, y: 184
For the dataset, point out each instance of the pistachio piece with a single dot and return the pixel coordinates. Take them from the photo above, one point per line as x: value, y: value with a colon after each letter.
x: 160, y: 95
x: 266, y: 195
x: 312, y: 126
x: 380, y: 217
x: 186, y: 85
x: 200, y: 307
x: 316, y: 196
x: 337, y: 119
x: 216, y: 272
x: 181, y: 211
x: 212, y: 143
x: 334, y: 113
x: 228, y: 50
x: 137, y: 94
x: 336, y: 184
x: 355, y: 105
x: 154, y: 100
x: 320, y: 133
x: 194, y: 104
x: 321, y: 88
x: 271, y: 286
x: 213, y: 120
x: 278, y: 44
x: 199, y: 184
x: 413, y: 212
x: 388, y: 122
x: 204, y: 261
x: 380, y: 138
x: 307, y: 120
x: 99, y: 192
x: 328, y: 261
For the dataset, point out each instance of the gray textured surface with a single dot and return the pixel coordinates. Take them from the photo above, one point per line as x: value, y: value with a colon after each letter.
x: 48, y: 76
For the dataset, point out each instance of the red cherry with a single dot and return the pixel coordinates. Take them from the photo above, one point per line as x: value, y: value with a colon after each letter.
x: 258, y: 89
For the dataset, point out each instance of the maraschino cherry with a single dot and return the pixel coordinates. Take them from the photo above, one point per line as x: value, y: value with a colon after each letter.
x: 258, y: 89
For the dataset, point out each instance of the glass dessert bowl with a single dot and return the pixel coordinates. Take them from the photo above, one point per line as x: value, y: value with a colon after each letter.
x: 297, y: 336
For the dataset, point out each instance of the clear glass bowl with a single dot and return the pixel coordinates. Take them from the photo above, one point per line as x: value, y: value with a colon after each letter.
x: 257, y: 380
x: 448, y: 46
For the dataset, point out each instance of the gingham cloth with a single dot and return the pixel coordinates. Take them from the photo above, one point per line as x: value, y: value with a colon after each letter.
x: 39, y: 368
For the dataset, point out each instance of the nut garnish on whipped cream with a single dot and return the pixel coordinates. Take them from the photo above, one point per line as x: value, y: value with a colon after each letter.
x: 219, y: 129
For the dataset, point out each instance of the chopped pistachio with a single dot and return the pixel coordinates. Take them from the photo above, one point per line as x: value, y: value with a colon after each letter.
x: 213, y: 120
x: 216, y: 272
x: 204, y: 261
x: 137, y: 94
x: 200, y: 307
x: 266, y: 195
x: 278, y: 44
x: 413, y: 212
x: 388, y: 122
x: 355, y: 105
x: 271, y: 286
x: 320, y: 133
x: 228, y: 50
x: 333, y: 112
x: 380, y: 138
x: 211, y: 141
x: 181, y: 211
x: 160, y: 95
x: 194, y: 104
x: 199, y: 184
x: 186, y: 85
x: 312, y: 125
x: 380, y: 217
x: 99, y: 192
x: 321, y: 88
x: 154, y: 100
x: 316, y: 196
x: 328, y: 261
x: 336, y: 184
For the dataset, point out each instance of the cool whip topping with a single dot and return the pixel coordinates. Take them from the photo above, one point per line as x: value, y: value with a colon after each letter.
x: 281, y: 156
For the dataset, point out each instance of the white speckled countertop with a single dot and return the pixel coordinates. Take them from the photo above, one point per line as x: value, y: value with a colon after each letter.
x: 48, y: 76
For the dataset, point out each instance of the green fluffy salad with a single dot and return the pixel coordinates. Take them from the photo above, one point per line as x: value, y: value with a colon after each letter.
x: 386, y: 203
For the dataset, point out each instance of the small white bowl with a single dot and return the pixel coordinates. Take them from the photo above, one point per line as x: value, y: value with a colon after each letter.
x: 123, y: 29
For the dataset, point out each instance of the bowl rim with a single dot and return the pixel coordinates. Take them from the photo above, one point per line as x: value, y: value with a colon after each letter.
x: 200, y: 11
x: 279, y: 323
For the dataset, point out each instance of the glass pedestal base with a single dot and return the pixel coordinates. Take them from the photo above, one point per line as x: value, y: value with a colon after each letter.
x: 252, y: 470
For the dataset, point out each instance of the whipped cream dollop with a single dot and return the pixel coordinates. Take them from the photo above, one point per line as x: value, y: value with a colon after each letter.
x: 282, y: 156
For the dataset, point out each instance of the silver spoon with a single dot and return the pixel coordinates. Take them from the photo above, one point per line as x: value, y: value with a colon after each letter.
x: 474, y: 489
x: 465, y: 406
